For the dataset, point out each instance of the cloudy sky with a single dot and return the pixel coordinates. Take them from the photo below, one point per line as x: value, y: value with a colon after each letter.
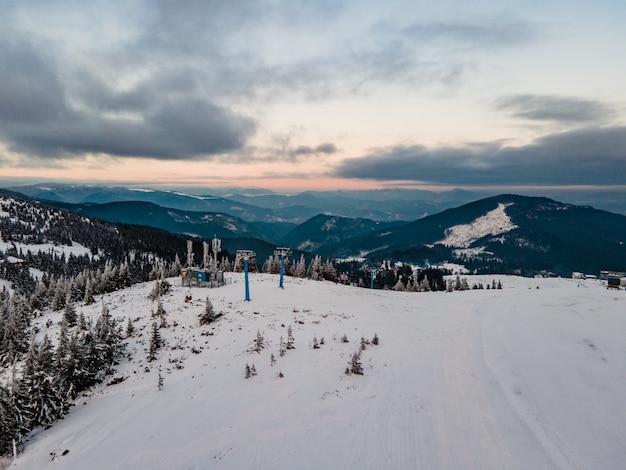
x: 314, y: 94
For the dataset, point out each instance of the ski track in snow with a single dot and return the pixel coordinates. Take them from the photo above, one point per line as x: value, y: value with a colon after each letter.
x: 516, y: 378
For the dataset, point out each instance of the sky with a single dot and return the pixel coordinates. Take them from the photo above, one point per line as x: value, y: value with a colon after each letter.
x: 293, y: 95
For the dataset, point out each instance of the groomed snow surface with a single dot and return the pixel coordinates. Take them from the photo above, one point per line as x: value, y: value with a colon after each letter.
x: 532, y: 376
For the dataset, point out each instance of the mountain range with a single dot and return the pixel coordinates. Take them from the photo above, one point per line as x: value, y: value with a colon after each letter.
x: 504, y: 233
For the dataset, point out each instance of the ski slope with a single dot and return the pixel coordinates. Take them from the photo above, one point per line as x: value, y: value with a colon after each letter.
x: 532, y: 376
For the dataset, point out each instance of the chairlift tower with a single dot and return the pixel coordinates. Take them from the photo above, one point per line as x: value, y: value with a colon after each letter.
x: 205, y: 256
x: 189, y: 253
x: 216, y: 244
x: 282, y: 252
x: 246, y: 255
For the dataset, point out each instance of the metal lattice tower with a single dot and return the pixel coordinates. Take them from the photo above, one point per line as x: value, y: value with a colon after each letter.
x: 205, y: 255
x: 189, y: 253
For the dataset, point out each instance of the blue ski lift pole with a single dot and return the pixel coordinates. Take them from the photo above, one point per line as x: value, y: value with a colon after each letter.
x: 282, y: 252
x: 245, y: 269
x: 282, y: 271
x: 246, y: 255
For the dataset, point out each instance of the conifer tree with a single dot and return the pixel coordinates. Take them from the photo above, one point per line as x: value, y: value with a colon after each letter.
x: 58, y: 299
x: 61, y: 349
x: 45, y: 403
x: 259, y: 342
x: 82, y: 322
x: 155, y: 343
x: 69, y: 313
x: 355, y: 364
x: 208, y: 316
x: 300, y: 269
x: 130, y: 328
x: 290, y: 340
x: 329, y: 272
x: 9, y: 422
x: 88, y: 298
x: 315, y: 269
x: 15, y: 322
x: 73, y: 372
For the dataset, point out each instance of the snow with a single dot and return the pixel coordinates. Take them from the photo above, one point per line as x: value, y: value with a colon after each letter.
x: 329, y: 224
x: 141, y: 190
x: 530, y: 376
x: 76, y: 248
x: 493, y: 222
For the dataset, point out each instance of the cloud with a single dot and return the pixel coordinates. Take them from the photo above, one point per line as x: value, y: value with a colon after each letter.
x: 194, y: 80
x: 490, y: 35
x: 42, y: 117
x: 304, y: 150
x: 563, y: 109
x: 593, y: 156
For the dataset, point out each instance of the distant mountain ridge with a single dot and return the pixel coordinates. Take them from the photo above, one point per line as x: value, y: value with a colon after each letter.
x: 506, y: 233
x: 379, y: 205
x: 199, y: 224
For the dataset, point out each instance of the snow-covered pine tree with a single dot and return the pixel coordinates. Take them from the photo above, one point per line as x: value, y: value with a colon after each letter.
x: 355, y: 364
x: 69, y: 313
x: 61, y: 349
x: 58, y: 298
x: 250, y: 371
x: 15, y: 319
x: 82, y: 322
x: 290, y: 340
x: 300, y: 269
x: 88, y: 298
x: 208, y: 316
x: 329, y: 272
x: 73, y: 373
x: 45, y: 403
x: 155, y: 343
x: 130, y: 328
x: 315, y: 269
x: 259, y: 342
x: 108, y: 342
x: 8, y: 421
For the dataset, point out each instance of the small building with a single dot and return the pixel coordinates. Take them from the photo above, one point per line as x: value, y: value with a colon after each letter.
x: 614, y: 282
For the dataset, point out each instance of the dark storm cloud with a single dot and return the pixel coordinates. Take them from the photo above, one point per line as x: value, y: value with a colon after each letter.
x: 29, y: 89
x: 169, y: 88
x: 555, y: 108
x: 40, y: 116
x: 595, y: 156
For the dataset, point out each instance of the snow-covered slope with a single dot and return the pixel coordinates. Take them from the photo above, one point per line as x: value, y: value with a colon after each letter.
x: 530, y: 376
x: 493, y: 222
